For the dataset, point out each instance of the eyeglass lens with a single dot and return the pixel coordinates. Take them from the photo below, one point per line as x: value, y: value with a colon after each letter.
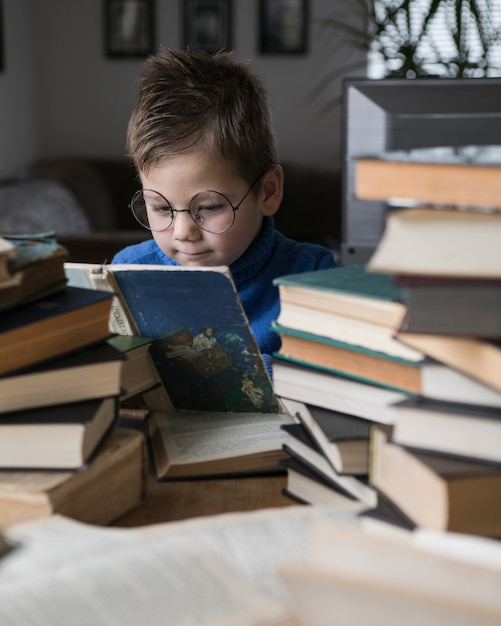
x: 210, y: 210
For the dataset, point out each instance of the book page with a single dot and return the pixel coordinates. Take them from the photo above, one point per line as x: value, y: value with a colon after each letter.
x: 195, y: 436
x: 252, y: 544
x: 95, y: 276
x: 172, y: 579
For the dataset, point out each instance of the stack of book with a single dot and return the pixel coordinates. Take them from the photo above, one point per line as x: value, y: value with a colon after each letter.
x: 345, y: 356
x: 218, y: 414
x: 440, y: 463
x: 339, y: 356
x: 60, y: 387
x: 341, y: 367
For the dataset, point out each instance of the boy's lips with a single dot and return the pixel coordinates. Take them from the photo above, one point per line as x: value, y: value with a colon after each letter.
x: 190, y: 254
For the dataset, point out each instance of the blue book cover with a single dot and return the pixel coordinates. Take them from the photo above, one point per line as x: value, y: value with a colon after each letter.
x: 204, y: 351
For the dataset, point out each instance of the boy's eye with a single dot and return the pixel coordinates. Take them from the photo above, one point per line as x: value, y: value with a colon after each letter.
x: 208, y: 208
x: 161, y: 209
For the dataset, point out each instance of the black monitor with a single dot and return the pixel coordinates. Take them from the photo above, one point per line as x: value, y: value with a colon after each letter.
x: 402, y: 114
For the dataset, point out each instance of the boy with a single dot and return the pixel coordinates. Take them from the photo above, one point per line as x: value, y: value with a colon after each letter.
x: 201, y: 139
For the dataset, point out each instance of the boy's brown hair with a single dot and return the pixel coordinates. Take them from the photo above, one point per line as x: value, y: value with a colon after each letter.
x: 190, y: 100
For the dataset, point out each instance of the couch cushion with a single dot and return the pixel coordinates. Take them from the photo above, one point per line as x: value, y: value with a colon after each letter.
x: 30, y: 205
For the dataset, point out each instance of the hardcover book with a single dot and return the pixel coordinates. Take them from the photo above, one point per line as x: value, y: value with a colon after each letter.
x: 349, y: 291
x: 320, y: 388
x: 470, y: 308
x: 458, y: 244
x: 344, y: 439
x: 451, y: 428
x: 62, y: 436
x: 58, y: 324
x: 303, y: 448
x: 476, y: 358
x: 204, y: 350
x: 90, y: 373
x: 112, y: 484
x: 429, y: 377
x: 436, y: 491
x: 307, y: 486
x: 437, y: 175
x: 36, y: 268
x: 189, y: 444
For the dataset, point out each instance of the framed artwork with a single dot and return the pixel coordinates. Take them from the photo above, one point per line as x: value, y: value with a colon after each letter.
x: 283, y: 26
x: 207, y: 25
x: 129, y: 28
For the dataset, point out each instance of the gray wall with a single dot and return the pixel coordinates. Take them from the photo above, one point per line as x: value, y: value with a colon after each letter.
x: 60, y: 94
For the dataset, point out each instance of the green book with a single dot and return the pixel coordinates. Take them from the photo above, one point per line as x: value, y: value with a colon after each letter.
x: 355, y: 280
x: 351, y: 291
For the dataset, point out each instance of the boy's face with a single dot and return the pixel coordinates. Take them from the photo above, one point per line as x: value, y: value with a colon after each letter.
x: 178, y: 179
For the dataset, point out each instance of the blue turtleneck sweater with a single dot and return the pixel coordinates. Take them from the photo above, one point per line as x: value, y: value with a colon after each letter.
x: 270, y: 255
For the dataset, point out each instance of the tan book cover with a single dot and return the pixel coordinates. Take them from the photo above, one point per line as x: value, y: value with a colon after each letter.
x: 111, y: 485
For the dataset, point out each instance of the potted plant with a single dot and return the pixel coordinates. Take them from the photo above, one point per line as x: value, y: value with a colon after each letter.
x: 449, y: 38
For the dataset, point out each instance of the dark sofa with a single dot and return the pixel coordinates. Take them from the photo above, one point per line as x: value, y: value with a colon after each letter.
x: 85, y: 199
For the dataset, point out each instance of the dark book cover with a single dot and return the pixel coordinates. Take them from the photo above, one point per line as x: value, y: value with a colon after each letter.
x: 98, y: 353
x: 354, y: 280
x: 204, y: 351
x: 294, y: 464
x: 388, y: 512
x: 82, y: 412
x: 338, y: 426
x: 309, y: 455
x: 66, y: 301
x: 420, y: 403
x: 299, y: 432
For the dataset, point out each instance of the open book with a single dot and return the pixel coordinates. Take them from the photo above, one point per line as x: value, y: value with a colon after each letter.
x: 207, y: 359
x: 204, y: 351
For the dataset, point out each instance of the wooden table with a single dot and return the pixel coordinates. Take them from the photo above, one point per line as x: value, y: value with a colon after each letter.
x: 182, y: 499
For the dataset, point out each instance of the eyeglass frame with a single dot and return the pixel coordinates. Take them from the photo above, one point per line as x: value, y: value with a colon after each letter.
x: 173, y: 211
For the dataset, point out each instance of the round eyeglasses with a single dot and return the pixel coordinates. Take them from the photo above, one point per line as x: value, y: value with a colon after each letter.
x: 211, y: 211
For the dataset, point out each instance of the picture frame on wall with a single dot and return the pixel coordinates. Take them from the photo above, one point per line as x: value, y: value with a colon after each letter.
x: 208, y: 25
x: 129, y: 30
x: 283, y: 26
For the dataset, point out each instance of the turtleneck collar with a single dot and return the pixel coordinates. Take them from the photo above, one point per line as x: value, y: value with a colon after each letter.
x: 256, y: 256
x: 251, y: 262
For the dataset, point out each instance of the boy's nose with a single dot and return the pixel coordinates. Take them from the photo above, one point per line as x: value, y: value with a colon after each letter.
x: 184, y: 227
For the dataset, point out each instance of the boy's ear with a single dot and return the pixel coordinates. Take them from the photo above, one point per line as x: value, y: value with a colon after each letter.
x: 272, y: 190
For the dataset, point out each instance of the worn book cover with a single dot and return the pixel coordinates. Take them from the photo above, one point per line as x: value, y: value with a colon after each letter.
x: 349, y: 291
x: 62, y: 436
x: 93, y: 372
x: 451, y: 428
x: 458, y: 244
x: 469, y: 308
x: 343, y: 438
x: 311, y: 385
x: 477, y: 358
x: 188, y: 444
x: 429, y: 377
x: 204, y: 349
x: 302, y: 447
x: 431, y: 175
x: 58, y: 324
x: 306, y: 485
x: 436, y: 491
x: 36, y: 268
x: 110, y: 486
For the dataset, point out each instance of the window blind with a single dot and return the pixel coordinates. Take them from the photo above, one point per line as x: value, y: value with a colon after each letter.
x: 437, y: 48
